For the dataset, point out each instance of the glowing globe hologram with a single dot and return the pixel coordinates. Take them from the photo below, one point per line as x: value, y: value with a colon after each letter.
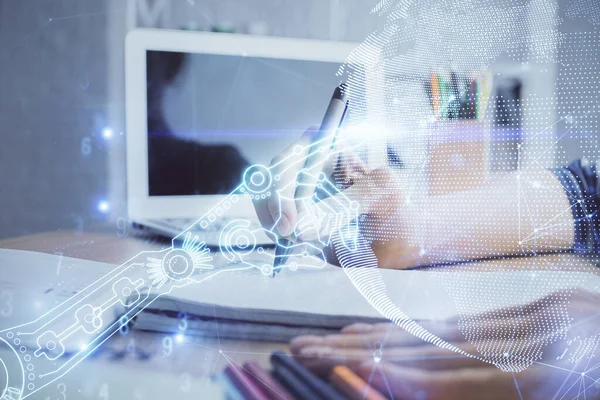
x: 412, y: 45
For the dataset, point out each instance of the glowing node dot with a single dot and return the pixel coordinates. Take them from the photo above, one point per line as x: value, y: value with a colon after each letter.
x: 266, y: 270
x: 179, y: 338
x: 103, y: 206
x: 107, y: 133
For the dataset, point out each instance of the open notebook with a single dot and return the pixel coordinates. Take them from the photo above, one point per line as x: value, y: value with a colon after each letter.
x: 252, y: 306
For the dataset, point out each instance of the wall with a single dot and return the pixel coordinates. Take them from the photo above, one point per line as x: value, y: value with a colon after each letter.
x: 61, y: 81
x: 52, y: 97
x: 578, y: 98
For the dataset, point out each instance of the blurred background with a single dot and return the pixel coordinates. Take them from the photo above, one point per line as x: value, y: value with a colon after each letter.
x: 62, y: 158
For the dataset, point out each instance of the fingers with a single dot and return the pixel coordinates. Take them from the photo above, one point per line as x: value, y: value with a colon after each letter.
x: 368, y: 189
x: 386, y: 341
x: 464, y: 384
x: 281, y: 211
x: 429, y: 357
x: 346, y: 168
x: 367, y: 328
x: 284, y: 168
x: 368, y: 335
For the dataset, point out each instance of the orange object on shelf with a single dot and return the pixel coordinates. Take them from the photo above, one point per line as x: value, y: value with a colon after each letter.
x: 458, y: 156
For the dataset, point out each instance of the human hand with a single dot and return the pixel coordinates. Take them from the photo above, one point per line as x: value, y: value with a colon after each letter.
x: 281, y: 211
x: 386, y: 221
x: 404, y: 367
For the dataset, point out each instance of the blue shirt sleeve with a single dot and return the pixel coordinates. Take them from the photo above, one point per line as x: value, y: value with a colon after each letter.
x: 581, y: 184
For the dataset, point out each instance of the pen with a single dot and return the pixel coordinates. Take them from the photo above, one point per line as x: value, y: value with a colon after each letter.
x: 332, y: 120
x: 455, y: 103
x: 244, y: 384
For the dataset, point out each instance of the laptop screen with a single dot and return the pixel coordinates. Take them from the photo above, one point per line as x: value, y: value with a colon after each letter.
x: 211, y: 116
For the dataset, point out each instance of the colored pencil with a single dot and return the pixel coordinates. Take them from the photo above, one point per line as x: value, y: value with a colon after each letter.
x: 244, y: 384
x: 270, y: 386
x: 299, y: 389
x: 352, y: 385
x: 435, y: 95
x: 443, y: 97
x: 472, y: 98
x: 322, y: 388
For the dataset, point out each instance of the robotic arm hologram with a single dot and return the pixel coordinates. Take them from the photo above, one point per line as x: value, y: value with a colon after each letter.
x: 33, y: 354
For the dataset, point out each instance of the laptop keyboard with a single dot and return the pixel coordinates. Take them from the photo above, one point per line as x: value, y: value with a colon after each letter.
x: 210, y: 235
x: 184, y: 223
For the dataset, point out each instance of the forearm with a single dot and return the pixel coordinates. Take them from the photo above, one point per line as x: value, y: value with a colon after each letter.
x: 525, y: 212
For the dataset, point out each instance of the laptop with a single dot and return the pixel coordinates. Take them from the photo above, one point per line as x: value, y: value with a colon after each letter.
x: 202, y: 107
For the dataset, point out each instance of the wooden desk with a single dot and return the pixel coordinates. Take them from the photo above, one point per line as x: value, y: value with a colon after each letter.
x: 189, y: 365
